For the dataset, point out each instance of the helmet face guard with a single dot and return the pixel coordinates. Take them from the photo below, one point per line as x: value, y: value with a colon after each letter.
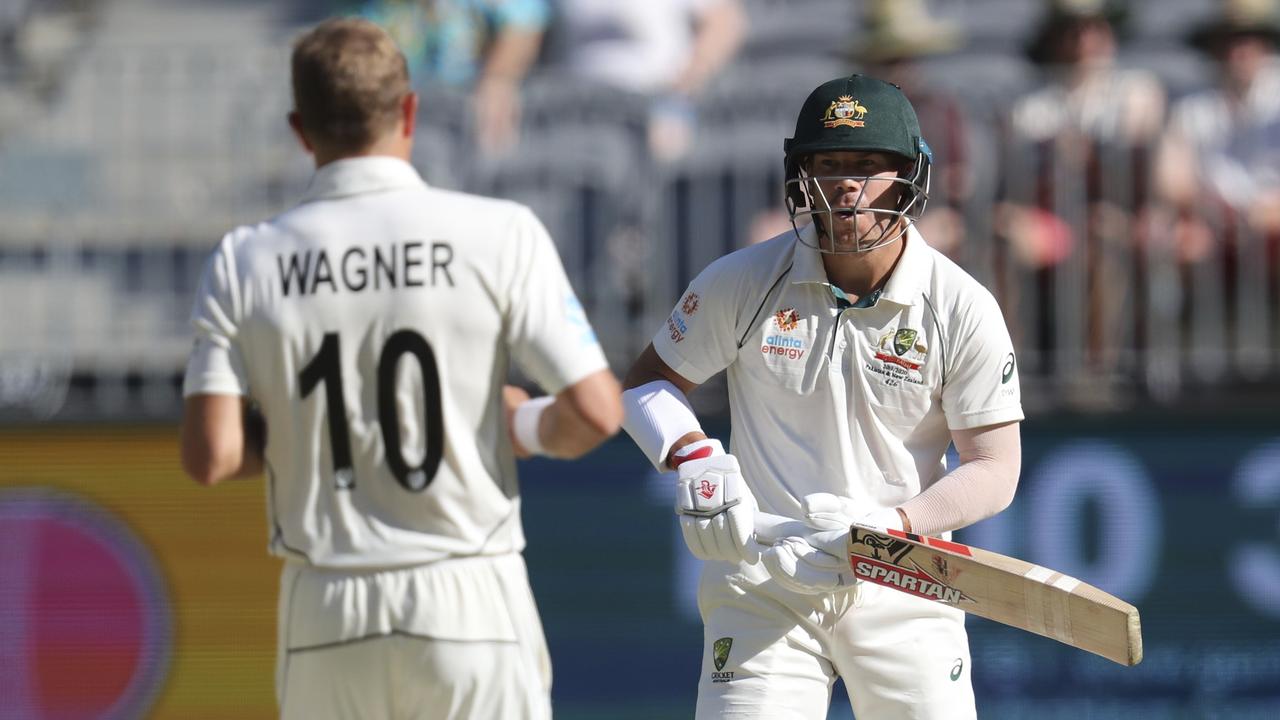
x: 805, y: 198
x: 856, y: 114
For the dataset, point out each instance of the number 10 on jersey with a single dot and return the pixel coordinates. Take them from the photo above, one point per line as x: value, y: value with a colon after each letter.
x: 326, y: 367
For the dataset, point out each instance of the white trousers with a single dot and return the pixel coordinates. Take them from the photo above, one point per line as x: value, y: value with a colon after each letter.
x: 453, y: 640
x: 772, y: 654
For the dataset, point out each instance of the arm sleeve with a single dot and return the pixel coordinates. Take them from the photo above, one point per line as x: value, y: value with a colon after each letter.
x: 550, y: 337
x: 697, y: 340
x: 981, y: 386
x: 216, y: 365
x: 979, y: 487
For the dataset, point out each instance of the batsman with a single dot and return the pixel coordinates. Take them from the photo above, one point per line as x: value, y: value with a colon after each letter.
x: 855, y: 356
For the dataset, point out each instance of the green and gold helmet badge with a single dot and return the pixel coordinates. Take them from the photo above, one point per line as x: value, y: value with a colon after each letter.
x: 903, y: 340
x: 720, y: 651
x: 846, y: 111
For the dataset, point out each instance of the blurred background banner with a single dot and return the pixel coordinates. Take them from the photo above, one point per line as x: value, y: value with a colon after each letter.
x: 1110, y: 170
x: 126, y: 591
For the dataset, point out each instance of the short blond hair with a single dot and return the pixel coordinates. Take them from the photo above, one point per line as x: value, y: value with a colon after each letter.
x: 349, y: 80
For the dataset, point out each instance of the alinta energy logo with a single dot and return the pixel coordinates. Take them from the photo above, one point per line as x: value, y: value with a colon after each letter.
x: 85, y: 629
x: 781, y: 343
x: 786, y: 319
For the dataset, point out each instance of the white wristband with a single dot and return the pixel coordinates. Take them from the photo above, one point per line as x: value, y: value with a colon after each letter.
x: 524, y: 423
x: 656, y: 415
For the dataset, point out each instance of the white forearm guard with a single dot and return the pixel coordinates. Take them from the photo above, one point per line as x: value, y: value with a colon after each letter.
x: 656, y: 415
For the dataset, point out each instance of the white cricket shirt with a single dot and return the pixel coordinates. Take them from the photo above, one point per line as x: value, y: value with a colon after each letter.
x: 374, y: 325
x: 828, y: 397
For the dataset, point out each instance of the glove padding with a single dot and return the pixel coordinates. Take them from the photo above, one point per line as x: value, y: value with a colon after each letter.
x: 816, y: 561
x: 825, y: 511
x: 715, y: 506
x: 811, y: 565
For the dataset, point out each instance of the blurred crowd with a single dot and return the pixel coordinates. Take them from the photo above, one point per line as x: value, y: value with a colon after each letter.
x: 1110, y: 169
x: 1212, y: 157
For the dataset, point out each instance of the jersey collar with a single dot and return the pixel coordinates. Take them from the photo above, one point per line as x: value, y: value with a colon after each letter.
x: 908, y: 279
x: 903, y: 286
x: 361, y: 175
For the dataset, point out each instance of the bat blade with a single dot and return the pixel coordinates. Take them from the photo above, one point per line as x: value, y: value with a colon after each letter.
x: 999, y: 588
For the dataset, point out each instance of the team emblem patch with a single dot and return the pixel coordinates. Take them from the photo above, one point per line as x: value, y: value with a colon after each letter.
x: 903, y: 340
x: 844, y: 111
x: 901, y: 355
x: 787, y: 319
x: 689, y: 305
x: 720, y: 651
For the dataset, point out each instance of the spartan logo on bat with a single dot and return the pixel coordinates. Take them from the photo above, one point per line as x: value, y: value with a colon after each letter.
x: 886, y: 550
x: 888, y: 564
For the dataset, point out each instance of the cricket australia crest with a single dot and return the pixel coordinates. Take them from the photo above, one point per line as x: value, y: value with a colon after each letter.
x: 904, y: 362
x: 720, y: 656
x: 844, y: 111
x: 903, y: 341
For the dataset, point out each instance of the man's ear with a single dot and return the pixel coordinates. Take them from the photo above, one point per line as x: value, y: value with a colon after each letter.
x: 295, y: 122
x: 409, y: 113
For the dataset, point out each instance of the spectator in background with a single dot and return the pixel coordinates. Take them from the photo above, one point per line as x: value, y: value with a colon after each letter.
x: 486, y: 46
x: 1086, y: 94
x: 898, y: 34
x: 1080, y: 148
x: 1086, y: 102
x: 665, y: 49
x: 1222, y: 150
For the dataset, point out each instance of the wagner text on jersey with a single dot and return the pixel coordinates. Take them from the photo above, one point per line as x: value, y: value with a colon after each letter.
x: 407, y: 264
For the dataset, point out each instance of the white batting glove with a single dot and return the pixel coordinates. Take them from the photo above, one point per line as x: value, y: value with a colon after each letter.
x: 811, y: 565
x: 817, y: 562
x: 716, y: 509
x: 825, y: 511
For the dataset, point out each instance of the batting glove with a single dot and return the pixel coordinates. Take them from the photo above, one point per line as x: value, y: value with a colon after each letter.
x: 811, y: 565
x: 817, y: 561
x: 715, y: 506
x: 824, y: 511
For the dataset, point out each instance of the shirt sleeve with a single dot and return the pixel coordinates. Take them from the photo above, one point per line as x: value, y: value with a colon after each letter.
x: 698, y: 340
x: 981, y: 387
x: 215, y: 365
x: 550, y: 337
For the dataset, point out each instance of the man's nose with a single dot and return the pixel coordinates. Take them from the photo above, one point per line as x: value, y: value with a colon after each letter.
x: 849, y: 184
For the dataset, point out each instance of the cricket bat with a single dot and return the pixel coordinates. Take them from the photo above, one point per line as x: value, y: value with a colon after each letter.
x: 999, y: 588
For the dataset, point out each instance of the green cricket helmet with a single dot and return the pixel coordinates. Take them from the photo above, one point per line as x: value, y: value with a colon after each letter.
x: 856, y: 113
